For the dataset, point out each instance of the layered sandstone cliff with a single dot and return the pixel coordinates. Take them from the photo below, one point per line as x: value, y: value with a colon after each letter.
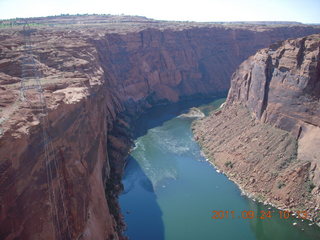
x: 266, y: 137
x: 95, y: 80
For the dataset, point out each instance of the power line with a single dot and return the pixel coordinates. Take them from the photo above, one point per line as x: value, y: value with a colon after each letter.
x: 31, y: 91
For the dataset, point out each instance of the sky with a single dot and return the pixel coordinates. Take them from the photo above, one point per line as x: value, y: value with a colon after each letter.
x: 306, y: 11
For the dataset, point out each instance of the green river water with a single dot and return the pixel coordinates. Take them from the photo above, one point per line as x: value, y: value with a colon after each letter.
x: 170, y: 190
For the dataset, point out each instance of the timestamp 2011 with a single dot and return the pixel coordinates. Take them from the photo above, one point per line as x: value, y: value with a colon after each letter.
x: 258, y: 214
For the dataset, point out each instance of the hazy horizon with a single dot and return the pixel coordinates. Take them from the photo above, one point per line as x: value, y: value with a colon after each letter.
x: 200, y: 11
x: 106, y: 14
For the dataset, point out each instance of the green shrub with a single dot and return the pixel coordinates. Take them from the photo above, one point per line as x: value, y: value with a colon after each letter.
x: 229, y: 164
x: 311, y: 186
x: 281, y: 185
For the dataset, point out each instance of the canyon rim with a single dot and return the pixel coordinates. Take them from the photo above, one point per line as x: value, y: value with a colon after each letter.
x: 98, y: 73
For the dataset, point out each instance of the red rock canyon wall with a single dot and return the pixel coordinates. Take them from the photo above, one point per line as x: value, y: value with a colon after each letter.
x: 92, y: 80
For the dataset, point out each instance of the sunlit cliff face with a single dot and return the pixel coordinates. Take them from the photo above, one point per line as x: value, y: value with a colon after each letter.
x: 268, y: 128
x: 94, y: 80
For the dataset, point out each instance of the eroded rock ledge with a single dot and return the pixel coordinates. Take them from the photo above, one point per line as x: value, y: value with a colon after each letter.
x: 95, y: 80
x: 266, y: 138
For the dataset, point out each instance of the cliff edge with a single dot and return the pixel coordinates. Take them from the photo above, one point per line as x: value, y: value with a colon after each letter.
x: 266, y: 137
x: 63, y: 141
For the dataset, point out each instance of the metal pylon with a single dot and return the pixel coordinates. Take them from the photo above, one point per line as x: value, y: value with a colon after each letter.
x: 32, y: 92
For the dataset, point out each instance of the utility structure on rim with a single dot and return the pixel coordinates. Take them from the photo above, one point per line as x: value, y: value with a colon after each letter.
x: 32, y: 93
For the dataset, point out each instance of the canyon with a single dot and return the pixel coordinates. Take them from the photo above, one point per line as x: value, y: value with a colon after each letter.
x: 96, y: 79
x: 266, y: 136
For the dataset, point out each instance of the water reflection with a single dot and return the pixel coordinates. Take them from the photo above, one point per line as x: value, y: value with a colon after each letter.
x: 139, y: 205
x: 170, y: 192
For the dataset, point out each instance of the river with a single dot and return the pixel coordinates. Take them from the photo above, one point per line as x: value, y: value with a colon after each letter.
x: 171, y: 191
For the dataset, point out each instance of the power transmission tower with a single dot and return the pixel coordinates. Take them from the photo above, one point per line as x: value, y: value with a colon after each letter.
x: 31, y: 92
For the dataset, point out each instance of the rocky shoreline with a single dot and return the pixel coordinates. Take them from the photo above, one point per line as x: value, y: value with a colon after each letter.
x: 248, y: 183
x: 265, y: 137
